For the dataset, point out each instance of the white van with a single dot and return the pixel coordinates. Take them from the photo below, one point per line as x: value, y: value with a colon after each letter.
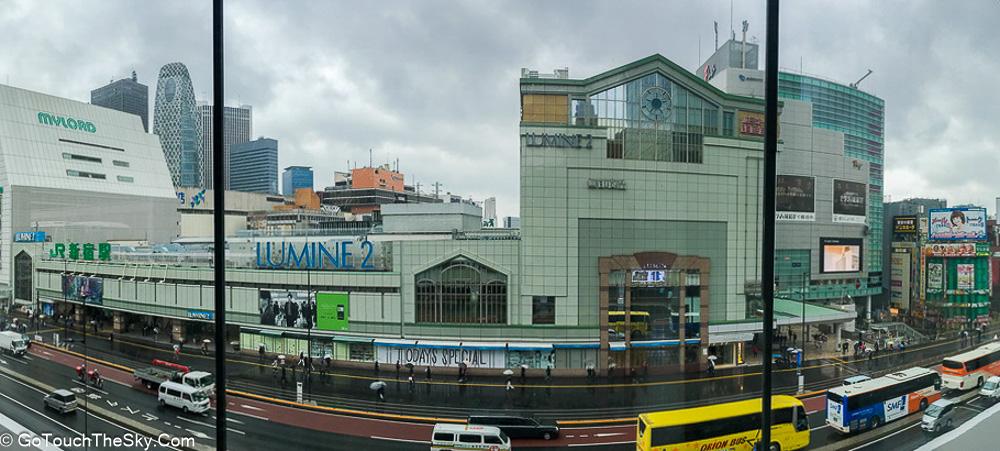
x: 462, y: 437
x: 991, y: 389
x: 184, y: 397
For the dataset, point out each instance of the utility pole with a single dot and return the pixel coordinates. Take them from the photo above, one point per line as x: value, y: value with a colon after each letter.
x: 219, y: 229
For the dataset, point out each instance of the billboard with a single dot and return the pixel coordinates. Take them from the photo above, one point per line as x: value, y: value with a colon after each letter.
x: 840, y: 255
x: 905, y: 225
x: 287, y: 308
x: 966, y: 275
x: 849, y: 201
x: 957, y: 224
x: 900, y: 263
x: 795, y: 198
x: 935, y: 277
x: 750, y: 123
x: 957, y: 250
x: 333, y: 311
x: 90, y: 290
x: 429, y: 356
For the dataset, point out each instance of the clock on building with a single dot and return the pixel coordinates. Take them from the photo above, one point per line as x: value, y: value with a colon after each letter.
x: 656, y: 103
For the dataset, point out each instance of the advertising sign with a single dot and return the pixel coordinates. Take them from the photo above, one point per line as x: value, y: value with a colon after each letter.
x: 474, y: 358
x: 957, y: 224
x: 201, y: 314
x: 337, y: 255
x: 905, y: 225
x: 333, y: 311
x: 90, y: 290
x: 935, y: 277
x: 849, y: 201
x: 966, y: 276
x: 795, y: 199
x: 957, y: 250
x: 900, y: 278
x: 750, y: 123
x: 896, y: 408
x: 840, y: 254
x: 84, y: 251
x: 287, y: 308
x: 29, y: 237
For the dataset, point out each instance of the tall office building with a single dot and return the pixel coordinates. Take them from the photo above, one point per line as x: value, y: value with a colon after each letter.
x: 296, y: 177
x: 126, y: 95
x: 861, y: 118
x: 490, y: 212
x: 239, y: 129
x: 177, y: 123
x: 254, y: 166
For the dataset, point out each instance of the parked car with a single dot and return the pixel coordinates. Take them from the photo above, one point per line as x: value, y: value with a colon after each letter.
x: 518, y: 427
x: 938, y: 416
x: 449, y: 437
x: 63, y: 401
x: 991, y: 389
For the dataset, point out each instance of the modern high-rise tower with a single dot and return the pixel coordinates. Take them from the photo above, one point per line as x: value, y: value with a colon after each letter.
x: 177, y: 122
x: 296, y: 177
x: 238, y: 128
x: 127, y: 95
x: 255, y: 166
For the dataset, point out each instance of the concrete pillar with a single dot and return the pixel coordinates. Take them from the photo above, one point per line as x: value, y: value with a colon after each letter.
x: 118, y: 322
x: 868, y: 308
x: 78, y: 316
x: 178, y: 330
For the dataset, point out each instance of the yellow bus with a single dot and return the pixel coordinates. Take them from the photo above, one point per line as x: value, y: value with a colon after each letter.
x: 729, y: 426
x: 639, y: 323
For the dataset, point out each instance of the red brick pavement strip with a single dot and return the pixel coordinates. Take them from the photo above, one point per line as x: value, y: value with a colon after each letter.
x: 406, y: 431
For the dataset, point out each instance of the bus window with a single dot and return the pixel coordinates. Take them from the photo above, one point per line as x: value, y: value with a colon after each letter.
x: 800, y: 419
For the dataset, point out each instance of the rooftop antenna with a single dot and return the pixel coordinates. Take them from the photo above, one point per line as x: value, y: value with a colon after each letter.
x: 743, y: 48
x: 369, y: 157
x: 732, y: 31
x: 437, y: 189
x: 716, y: 35
x: 855, y: 84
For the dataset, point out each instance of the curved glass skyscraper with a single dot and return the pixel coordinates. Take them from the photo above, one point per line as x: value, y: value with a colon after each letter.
x: 176, y: 122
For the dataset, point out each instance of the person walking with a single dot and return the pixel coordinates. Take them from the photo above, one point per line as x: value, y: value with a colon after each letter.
x: 177, y: 352
x: 397, y: 370
x: 428, y: 372
x: 510, y: 385
x: 381, y: 393
x: 411, y: 382
x: 284, y: 376
x: 548, y: 373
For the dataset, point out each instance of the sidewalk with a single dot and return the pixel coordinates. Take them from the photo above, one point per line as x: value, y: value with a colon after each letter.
x: 444, y: 396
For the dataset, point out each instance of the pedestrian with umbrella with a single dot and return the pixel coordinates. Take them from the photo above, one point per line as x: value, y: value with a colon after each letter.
x: 509, y: 373
x: 379, y: 388
x: 711, y: 365
x: 204, y: 346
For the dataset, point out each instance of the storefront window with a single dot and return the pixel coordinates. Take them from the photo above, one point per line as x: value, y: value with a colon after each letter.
x: 361, y: 352
x: 543, y: 310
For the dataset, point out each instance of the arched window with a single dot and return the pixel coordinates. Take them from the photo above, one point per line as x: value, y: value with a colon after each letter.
x: 461, y: 291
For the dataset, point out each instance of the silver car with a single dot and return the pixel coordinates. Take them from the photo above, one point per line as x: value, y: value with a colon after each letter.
x: 938, y: 416
x: 63, y: 401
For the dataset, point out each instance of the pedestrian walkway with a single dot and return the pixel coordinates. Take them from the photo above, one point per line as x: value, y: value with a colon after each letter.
x: 601, y: 397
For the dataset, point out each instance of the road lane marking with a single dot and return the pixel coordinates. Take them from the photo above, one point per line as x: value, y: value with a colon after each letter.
x: 198, y: 433
x: 251, y: 407
x: 249, y: 415
x: 970, y: 408
x: 130, y: 411
x: 236, y: 431
x: 422, y: 442
x: 819, y: 427
x: 883, y: 438
x: 609, y: 434
x: 195, y: 422
x: 603, y: 443
x: 27, y: 358
x: 92, y: 388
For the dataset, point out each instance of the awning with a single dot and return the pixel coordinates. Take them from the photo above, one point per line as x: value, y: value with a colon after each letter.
x: 576, y: 345
x: 530, y: 346
x: 729, y: 337
x: 655, y: 343
x: 272, y: 332
x: 617, y: 346
x: 351, y: 339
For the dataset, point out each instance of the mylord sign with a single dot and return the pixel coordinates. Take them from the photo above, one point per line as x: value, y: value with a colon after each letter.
x: 563, y: 140
x: 66, y: 122
x: 29, y: 237
x: 615, y: 184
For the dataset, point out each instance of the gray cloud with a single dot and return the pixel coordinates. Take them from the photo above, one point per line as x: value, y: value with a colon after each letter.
x: 434, y: 83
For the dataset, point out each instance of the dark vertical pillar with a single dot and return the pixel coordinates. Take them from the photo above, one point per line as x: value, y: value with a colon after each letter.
x: 219, y: 217
x: 770, y: 170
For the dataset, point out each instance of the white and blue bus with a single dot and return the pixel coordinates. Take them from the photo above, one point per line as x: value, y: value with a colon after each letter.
x: 869, y: 404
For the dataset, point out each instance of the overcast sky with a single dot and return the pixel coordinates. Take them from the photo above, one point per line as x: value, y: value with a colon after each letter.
x: 435, y: 84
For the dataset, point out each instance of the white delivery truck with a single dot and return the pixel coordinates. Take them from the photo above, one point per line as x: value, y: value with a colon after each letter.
x: 13, y: 343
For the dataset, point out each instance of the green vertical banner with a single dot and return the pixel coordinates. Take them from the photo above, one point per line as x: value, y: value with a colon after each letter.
x: 333, y: 311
